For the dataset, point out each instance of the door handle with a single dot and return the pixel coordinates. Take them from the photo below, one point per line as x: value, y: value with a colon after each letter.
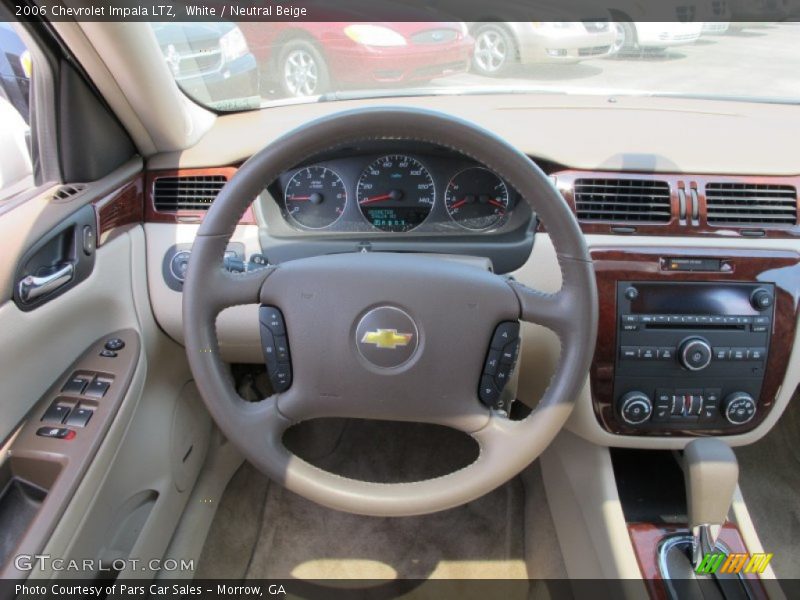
x: 32, y: 287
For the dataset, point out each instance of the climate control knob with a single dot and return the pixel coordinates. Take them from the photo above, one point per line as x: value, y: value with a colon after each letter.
x: 739, y: 408
x: 635, y: 408
x: 694, y: 353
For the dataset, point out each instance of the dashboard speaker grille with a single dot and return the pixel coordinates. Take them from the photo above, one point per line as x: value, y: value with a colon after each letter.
x: 751, y: 204
x: 623, y: 200
x: 194, y: 192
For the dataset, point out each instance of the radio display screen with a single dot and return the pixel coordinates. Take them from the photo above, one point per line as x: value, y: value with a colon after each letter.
x: 693, y: 299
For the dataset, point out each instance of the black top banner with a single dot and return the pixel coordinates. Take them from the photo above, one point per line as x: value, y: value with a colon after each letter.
x: 407, y: 10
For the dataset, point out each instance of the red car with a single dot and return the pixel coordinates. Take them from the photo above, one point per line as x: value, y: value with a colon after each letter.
x: 306, y: 59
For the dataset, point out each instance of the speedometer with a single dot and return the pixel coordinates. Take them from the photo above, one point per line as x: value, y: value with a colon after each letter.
x: 395, y: 193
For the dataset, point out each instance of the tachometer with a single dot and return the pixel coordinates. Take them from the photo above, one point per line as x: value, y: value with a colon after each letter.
x: 315, y: 197
x: 476, y: 198
x: 395, y: 193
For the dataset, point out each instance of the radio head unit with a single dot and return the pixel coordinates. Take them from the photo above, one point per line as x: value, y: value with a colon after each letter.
x: 690, y: 356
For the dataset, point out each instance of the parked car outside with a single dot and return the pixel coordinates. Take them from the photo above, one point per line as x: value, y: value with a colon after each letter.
x: 307, y: 59
x: 211, y: 62
x: 719, y: 14
x: 500, y: 45
x: 633, y: 36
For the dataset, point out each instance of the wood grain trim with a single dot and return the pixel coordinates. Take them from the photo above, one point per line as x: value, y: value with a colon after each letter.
x: 646, y: 538
x: 565, y: 181
x: 644, y: 264
x: 119, y: 209
x: 151, y: 215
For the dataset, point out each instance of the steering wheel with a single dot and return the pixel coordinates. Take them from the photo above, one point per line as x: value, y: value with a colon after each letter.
x: 446, y: 310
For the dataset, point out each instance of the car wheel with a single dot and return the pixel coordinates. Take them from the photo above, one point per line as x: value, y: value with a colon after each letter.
x: 302, y: 70
x: 625, y: 41
x: 494, y: 50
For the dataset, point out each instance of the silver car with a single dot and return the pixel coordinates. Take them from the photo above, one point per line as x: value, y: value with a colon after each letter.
x: 500, y: 45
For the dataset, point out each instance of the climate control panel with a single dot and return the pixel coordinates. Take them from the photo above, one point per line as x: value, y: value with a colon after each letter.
x: 690, y: 356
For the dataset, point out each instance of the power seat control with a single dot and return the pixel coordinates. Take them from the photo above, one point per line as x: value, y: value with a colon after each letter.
x: 275, y: 345
x: 635, y: 408
x: 501, y: 359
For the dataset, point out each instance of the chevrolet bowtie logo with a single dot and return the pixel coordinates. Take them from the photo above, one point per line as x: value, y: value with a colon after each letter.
x: 387, y: 338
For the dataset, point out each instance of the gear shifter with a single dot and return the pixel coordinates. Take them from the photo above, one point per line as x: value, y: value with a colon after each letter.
x: 711, y: 473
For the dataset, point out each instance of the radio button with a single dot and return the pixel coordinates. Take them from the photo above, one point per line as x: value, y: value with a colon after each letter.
x: 745, y: 320
x: 761, y: 320
x: 695, y: 353
x: 759, y: 328
x: 690, y: 319
x: 722, y: 353
x: 630, y: 318
x: 647, y: 319
x: 756, y: 353
x: 660, y: 319
x: 648, y: 353
x: 674, y: 319
x: 738, y: 353
x: 629, y: 352
x: 717, y: 320
x: 666, y: 353
x: 704, y: 319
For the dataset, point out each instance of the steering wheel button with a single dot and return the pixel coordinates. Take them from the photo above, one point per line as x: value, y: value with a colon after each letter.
x: 281, y: 348
x: 488, y: 392
x: 509, y: 354
x: 273, y: 319
x: 492, y: 362
x: 502, y: 376
x: 506, y: 332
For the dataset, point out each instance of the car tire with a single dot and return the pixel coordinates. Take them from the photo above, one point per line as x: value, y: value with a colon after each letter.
x: 302, y: 70
x: 495, y: 50
x: 625, y: 40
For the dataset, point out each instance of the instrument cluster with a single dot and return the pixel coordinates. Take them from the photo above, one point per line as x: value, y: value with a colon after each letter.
x: 392, y: 192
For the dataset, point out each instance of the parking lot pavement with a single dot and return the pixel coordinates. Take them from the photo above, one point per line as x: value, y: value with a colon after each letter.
x: 759, y: 60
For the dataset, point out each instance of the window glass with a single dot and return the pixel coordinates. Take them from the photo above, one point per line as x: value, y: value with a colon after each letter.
x: 16, y: 164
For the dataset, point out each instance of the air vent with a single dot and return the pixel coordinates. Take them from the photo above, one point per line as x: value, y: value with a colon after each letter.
x: 745, y: 204
x: 67, y: 191
x: 623, y: 200
x: 195, y: 192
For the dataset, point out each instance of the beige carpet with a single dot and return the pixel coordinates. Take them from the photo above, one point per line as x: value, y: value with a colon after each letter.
x: 770, y: 482
x: 261, y: 530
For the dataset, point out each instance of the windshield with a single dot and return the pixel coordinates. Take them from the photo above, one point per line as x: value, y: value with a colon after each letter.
x: 238, y: 66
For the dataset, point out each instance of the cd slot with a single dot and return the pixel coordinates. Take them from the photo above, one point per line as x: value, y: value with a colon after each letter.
x: 710, y: 326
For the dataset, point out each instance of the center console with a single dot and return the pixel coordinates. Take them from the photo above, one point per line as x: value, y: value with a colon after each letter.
x: 691, y: 355
x: 691, y: 344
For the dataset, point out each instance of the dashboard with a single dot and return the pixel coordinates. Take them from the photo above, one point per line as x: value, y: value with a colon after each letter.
x: 680, y: 224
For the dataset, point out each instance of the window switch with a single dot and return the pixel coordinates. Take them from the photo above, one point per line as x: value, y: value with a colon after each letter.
x: 97, y: 389
x: 56, y: 413
x: 79, y: 417
x: 75, y: 385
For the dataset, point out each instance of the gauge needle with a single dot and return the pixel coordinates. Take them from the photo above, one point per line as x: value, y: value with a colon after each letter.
x: 459, y: 204
x: 497, y: 203
x: 299, y: 198
x: 380, y: 198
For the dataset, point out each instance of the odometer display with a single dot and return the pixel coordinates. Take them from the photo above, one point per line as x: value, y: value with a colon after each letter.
x: 395, y: 193
x: 315, y: 197
x: 476, y: 198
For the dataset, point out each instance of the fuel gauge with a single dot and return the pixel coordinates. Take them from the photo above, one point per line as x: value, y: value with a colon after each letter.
x: 476, y: 198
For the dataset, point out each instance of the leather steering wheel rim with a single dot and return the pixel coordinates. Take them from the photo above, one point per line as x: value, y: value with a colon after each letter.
x: 256, y: 429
